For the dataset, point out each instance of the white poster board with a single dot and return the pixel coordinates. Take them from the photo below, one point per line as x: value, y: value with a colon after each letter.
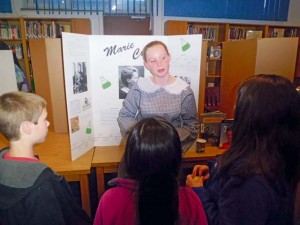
x: 92, y: 65
x: 8, y: 82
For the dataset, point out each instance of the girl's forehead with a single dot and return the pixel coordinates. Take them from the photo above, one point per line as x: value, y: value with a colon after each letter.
x: 156, y: 49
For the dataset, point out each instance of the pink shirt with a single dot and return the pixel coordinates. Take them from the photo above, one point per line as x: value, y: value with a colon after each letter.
x: 117, y: 206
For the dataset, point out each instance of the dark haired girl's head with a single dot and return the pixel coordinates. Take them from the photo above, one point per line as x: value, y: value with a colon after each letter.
x: 153, y: 147
x: 153, y: 158
x: 267, y: 107
x: 266, y: 127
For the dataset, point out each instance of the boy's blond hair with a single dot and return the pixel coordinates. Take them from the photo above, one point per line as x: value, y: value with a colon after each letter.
x: 17, y: 107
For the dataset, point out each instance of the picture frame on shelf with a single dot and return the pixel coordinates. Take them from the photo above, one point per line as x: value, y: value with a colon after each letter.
x: 215, y: 52
x: 226, y: 133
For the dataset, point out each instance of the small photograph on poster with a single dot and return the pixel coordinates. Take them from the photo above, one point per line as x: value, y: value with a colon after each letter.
x: 128, y: 75
x: 75, y: 124
x: 86, y: 103
x: 79, y: 77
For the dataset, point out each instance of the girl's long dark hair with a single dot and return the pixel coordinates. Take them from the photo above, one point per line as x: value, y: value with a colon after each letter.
x: 266, y: 132
x: 153, y: 158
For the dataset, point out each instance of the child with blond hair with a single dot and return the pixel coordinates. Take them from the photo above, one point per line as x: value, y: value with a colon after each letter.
x: 30, y: 192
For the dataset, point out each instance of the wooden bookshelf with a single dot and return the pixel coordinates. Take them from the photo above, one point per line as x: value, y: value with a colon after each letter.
x: 220, y: 33
x: 245, y: 31
x: 213, y: 35
x: 11, y: 34
x: 17, y: 31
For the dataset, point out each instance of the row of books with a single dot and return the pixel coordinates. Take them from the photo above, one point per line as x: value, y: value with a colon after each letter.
x: 216, y: 129
x: 236, y: 33
x: 242, y: 33
x: 291, y: 32
x: 36, y: 29
x: 276, y: 32
x: 208, y: 33
x: 9, y: 32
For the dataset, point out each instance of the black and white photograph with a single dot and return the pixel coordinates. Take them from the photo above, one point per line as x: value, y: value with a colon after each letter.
x: 128, y: 75
x: 79, y: 77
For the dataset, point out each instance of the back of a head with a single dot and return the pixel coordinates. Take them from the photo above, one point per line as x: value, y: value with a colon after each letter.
x: 267, y: 121
x: 17, y: 107
x: 266, y: 102
x: 153, y: 158
x: 153, y: 147
x: 126, y: 74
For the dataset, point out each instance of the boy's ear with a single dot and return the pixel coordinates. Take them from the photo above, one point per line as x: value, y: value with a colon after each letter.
x: 26, y: 127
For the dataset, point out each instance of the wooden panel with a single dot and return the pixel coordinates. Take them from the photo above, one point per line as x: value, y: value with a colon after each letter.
x: 238, y: 62
x: 277, y: 56
x: 175, y: 27
x: 125, y: 25
x: 81, y: 26
x: 297, y: 71
x: 40, y: 69
x: 245, y: 58
x: 57, y: 87
x: 47, y: 65
x: 202, y: 78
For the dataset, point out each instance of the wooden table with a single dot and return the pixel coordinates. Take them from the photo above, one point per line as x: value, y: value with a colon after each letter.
x: 55, y: 152
x: 107, y: 159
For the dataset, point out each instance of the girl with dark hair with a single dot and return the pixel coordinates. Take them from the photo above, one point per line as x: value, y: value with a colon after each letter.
x: 254, y: 182
x: 147, y: 189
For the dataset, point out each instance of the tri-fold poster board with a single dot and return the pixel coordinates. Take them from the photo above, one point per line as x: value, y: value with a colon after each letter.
x: 92, y: 69
x: 8, y: 81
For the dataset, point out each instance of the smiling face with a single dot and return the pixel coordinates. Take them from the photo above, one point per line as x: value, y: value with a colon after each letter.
x: 157, y: 61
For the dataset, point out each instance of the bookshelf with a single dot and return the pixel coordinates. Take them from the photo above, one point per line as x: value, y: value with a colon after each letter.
x: 16, y: 32
x: 213, y: 35
x: 245, y: 31
x: 216, y: 34
x: 11, y: 34
x: 282, y: 31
